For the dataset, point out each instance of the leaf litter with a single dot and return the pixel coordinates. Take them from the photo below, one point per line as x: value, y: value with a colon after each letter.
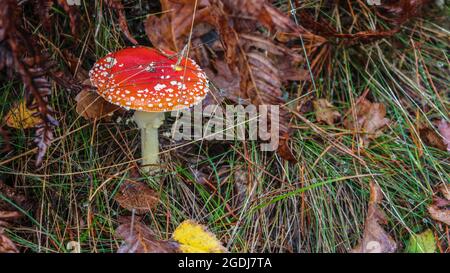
x: 375, y: 238
x: 188, y: 237
x: 247, y: 65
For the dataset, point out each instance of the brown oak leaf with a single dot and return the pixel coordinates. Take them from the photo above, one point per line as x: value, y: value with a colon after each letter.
x: 368, y: 120
x: 325, y: 112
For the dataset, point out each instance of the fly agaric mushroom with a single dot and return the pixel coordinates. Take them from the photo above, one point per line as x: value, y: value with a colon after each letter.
x: 151, y: 82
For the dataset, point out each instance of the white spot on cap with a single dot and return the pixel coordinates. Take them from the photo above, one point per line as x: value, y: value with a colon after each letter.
x: 110, y: 62
x: 159, y: 86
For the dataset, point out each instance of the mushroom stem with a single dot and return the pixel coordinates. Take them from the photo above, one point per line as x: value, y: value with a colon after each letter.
x: 149, y: 123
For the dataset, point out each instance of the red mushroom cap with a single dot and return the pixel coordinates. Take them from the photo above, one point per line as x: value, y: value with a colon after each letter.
x: 149, y: 80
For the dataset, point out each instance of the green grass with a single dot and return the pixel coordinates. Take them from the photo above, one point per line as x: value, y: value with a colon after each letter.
x: 315, y: 205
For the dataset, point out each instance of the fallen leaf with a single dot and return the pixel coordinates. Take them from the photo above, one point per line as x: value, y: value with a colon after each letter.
x: 138, y: 238
x: 421, y: 243
x: 6, y: 245
x: 92, y: 106
x: 444, y: 130
x: 440, y: 212
x: 284, y: 150
x: 444, y: 189
x: 8, y: 214
x: 440, y: 208
x: 375, y: 238
x: 369, y: 119
x: 325, y: 112
x: 195, y: 238
x: 20, y: 117
x: 136, y: 196
x: 431, y: 138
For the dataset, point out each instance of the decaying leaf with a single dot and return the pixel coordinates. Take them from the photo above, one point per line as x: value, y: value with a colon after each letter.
x: 8, y: 215
x: 440, y: 208
x: 195, y: 238
x: 444, y: 189
x: 400, y: 11
x: 367, y: 119
x: 421, y: 243
x: 139, y: 238
x: 136, y: 196
x: 6, y: 245
x: 431, y: 138
x: 444, y: 130
x: 284, y: 150
x: 20, y: 117
x: 92, y: 106
x: 375, y: 238
x: 325, y: 112
x: 8, y: 211
x: 440, y: 211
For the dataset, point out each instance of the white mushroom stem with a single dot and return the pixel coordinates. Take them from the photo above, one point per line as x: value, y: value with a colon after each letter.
x: 149, y: 123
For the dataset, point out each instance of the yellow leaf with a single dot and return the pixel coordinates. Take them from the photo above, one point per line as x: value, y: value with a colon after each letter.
x: 19, y: 116
x: 195, y: 238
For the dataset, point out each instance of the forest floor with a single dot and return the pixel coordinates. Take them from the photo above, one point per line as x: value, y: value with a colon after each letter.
x: 371, y: 117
